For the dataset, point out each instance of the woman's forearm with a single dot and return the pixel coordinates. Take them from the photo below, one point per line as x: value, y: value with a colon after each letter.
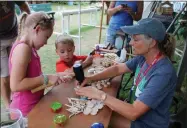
x: 108, y: 73
x: 138, y: 15
x: 125, y: 109
x: 112, y: 11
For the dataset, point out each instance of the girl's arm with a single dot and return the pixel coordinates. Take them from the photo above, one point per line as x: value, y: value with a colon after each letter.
x: 21, y: 57
x: 112, y: 9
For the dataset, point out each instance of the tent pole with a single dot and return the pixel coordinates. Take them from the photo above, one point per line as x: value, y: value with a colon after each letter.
x: 79, y: 22
x: 101, y: 22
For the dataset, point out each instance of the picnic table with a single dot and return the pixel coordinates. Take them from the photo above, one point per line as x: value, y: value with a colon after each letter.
x: 42, y: 117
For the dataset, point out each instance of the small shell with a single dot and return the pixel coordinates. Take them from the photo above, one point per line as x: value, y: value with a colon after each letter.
x: 94, y: 111
x: 94, y: 101
x: 68, y: 77
x: 105, y: 85
x: 98, y: 85
x: 90, y: 104
x: 87, y: 111
x: 91, y: 70
x: 99, y: 106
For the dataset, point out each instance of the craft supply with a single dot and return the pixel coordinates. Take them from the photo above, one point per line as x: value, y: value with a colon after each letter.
x: 41, y: 88
x: 84, y: 106
x: 97, y: 125
x: 56, y: 107
x: 60, y: 119
x: 79, y: 73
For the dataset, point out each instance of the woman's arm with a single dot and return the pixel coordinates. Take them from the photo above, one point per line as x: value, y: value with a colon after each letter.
x: 87, y: 62
x: 129, y: 111
x: 20, y: 59
x: 110, y: 72
x: 138, y: 15
x: 112, y: 9
x: 24, y: 7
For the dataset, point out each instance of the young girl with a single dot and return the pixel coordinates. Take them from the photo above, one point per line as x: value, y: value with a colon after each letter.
x: 65, y: 49
x: 24, y: 62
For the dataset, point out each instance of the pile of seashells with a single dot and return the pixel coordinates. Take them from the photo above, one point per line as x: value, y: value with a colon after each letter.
x: 99, y: 84
x: 83, y: 106
x: 108, y: 59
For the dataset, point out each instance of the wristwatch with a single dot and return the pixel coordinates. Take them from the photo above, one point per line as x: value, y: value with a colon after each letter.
x: 103, y: 97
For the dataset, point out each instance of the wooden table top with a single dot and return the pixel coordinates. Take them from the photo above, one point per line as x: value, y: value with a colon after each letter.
x: 42, y: 117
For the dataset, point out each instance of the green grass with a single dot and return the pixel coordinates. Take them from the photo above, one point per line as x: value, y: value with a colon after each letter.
x: 83, y: 29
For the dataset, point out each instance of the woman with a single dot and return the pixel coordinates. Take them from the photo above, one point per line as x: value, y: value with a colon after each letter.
x: 154, y: 82
x: 122, y: 13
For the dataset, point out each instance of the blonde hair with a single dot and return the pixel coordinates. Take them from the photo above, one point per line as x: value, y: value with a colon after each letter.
x: 33, y: 20
x: 64, y: 39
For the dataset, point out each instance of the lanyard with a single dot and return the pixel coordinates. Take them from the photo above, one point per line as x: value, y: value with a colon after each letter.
x: 139, y: 78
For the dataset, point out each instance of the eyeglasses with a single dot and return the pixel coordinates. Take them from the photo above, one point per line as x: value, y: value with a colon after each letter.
x: 50, y: 20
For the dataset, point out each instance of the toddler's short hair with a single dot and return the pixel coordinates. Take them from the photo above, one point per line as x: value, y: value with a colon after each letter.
x: 64, y: 39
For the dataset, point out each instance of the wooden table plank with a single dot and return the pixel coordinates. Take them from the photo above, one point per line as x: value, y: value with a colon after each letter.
x: 42, y: 117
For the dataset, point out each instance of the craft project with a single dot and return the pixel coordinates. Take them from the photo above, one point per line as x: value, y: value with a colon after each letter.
x: 56, y: 107
x: 83, y: 106
x: 60, y: 119
x: 108, y: 59
x: 98, y: 84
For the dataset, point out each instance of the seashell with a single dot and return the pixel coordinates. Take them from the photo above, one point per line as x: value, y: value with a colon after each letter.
x: 68, y: 77
x: 94, y: 111
x: 91, y: 70
x: 98, y: 85
x: 87, y: 111
x: 99, y: 106
x: 94, y: 101
x: 90, y: 104
x: 105, y: 85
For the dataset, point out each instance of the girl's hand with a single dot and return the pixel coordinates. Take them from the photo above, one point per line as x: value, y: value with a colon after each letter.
x: 90, y: 92
x: 54, y: 79
x: 65, y: 76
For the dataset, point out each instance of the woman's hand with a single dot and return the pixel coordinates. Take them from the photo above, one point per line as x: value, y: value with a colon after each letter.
x: 90, y: 92
x: 128, y: 10
x: 54, y: 79
x: 88, y: 61
x: 86, y: 81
